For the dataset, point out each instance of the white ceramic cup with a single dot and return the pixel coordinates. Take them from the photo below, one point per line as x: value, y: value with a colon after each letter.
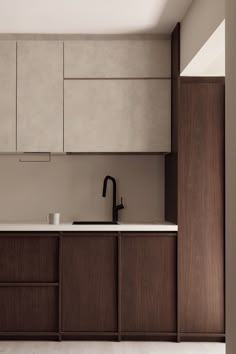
x: 54, y: 218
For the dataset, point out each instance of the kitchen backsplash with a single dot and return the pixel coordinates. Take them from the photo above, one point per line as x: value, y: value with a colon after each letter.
x: 72, y: 185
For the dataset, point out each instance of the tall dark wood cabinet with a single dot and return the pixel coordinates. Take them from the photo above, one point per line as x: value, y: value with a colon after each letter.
x: 196, y: 168
x: 201, y: 206
x: 148, y: 283
x: 89, y: 283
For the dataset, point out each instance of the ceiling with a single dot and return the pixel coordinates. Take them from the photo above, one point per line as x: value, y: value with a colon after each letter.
x: 91, y: 16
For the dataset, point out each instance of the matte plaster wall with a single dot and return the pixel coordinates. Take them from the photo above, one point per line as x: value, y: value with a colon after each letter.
x: 72, y: 185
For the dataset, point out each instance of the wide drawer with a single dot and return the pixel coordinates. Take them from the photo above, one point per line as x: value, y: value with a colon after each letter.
x: 28, y: 258
x: 28, y: 309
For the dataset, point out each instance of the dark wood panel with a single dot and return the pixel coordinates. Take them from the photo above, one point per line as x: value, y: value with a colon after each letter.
x: 149, y: 234
x: 148, y: 284
x: 171, y: 187
x: 28, y: 309
x: 148, y: 336
x: 28, y: 259
x: 94, y: 336
x: 89, y: 288
x: 175, y: 86
x: 171, y: 160
x: 203, y: 79
x: 201, y: 207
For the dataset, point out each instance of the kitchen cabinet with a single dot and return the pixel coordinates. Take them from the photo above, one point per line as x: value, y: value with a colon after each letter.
x: 117, y: 58
x: 195, y: 200
x: 40, y: 96
x: 89, y: 284
x: 201, y: 208
x: 148, y: 283
x: 117, y: 116
x: 82, y: 95
x: 29, y: 278
x: 8, y: 96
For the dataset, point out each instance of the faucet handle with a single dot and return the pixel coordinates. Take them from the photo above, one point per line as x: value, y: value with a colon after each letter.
x: 121, y: 203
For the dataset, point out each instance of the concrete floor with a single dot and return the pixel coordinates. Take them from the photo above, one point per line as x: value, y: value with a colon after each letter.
x: 75, y: 347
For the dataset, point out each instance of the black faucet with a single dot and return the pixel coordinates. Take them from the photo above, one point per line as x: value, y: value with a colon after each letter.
x: 115, y: 208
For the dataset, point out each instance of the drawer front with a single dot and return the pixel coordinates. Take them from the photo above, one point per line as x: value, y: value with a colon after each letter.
x: 32, y: 309
x: 117, y: 58
x: 28, y: 258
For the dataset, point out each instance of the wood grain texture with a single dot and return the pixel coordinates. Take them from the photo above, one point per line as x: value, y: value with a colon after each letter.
x: 28, y: 309
x: 171, y: 160
x: 7, y: 96
x: 175, y: 86
x: 40, y: 96
x: 117, y: 116
x: 171, y: 187
x: 28, y: 259
x: 89, y: 284
x: 148, y: 283
x: 117, y: 58
x: 201, y: 207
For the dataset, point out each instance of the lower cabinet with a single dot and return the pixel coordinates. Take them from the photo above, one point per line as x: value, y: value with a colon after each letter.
x: 29, y: 283
x: 121, y: 284
x: 148, y: 283
x: 98, y: 285
x: 89, y: 282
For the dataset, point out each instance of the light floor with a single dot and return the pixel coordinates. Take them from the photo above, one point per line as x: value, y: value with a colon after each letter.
x: 75, y: 347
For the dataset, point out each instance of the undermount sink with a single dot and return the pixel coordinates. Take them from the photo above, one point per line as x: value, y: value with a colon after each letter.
x: 95, y: 223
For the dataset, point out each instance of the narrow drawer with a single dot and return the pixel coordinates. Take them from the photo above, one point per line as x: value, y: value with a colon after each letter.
x: 28, y: 258
x: 28, y: 309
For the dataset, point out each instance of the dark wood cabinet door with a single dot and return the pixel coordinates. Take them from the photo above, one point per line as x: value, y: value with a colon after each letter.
x: 89, y: 284
x: 148, y: 283
x: 201, y: 206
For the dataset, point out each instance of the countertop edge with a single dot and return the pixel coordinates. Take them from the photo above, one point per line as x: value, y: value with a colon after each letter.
x: 165, y: 227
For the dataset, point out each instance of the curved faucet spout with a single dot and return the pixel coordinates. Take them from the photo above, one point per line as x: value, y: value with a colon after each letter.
x: 115, y: 208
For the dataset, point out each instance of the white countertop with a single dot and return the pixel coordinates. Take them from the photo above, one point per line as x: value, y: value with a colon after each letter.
x: 164, y: 226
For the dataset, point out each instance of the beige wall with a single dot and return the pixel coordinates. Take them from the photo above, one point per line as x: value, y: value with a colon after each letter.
x: 230, y: 177
x: 201, y: 20
x: 72, y: 185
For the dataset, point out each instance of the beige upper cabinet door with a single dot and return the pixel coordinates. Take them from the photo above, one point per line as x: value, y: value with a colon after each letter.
x: 7, y: 96
x: 40, y: 96
x: 117, y: 115
x: 136, y: 58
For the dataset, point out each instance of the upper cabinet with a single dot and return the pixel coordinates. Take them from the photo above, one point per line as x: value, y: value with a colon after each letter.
x: 117, y: 116
x: 7, y: 96
x: 117, y: 96
x: 40, y: 96
x: 130, y: 58
x: 85, y: 95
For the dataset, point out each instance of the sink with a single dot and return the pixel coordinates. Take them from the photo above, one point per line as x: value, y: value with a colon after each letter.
x: 95, y: 223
